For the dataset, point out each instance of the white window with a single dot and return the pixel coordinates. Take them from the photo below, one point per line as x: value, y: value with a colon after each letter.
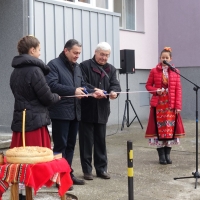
x: 102, y: 4
x: 84, y: 1
x: 132, y: 14
x: 127, y: 10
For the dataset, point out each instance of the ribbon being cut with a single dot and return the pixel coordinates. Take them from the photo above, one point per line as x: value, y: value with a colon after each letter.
x: 105, y: 93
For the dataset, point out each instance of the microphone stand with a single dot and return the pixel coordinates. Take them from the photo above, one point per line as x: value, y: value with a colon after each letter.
x: 195, y: 174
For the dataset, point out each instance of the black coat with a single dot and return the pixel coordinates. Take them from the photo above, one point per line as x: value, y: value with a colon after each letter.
x: 31, y: 92
x: 63, y: 79
x: 98, y: 110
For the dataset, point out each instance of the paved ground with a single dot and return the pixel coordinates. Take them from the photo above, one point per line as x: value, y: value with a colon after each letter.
x: 152, y: 181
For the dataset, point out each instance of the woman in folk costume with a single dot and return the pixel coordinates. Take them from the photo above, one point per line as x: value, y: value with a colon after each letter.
x: 165, y: 125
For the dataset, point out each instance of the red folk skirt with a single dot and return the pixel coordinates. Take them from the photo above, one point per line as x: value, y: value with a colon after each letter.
x: 163, y: 123
x: 39, y: 137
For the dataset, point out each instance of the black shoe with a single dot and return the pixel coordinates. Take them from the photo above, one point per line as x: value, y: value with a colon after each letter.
x: 22, y: 197
x: 161, y: 154
x: 88, y: 176
x: 77, y: 181
x: 103, y: 175
x: 167, y: 154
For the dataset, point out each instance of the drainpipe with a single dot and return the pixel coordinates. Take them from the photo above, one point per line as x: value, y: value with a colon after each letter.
x: 30, y: 18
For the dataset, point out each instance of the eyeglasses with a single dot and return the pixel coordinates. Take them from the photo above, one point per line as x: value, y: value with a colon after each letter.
x: 104, y: 55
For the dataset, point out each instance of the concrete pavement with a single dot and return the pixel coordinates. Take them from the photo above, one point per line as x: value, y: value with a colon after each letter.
x: 152, y: 181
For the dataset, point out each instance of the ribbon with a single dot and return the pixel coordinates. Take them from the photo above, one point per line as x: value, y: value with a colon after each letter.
x: 91, y: 94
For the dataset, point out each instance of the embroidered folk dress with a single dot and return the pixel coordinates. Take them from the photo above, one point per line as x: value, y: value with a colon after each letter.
x: 165, y: 120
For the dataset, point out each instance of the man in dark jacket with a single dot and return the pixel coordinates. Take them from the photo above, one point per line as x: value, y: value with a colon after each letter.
x: 95, y: 111
x: 65, y: 79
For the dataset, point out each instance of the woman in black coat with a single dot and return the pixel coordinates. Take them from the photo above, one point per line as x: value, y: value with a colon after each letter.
x: 31, y: 92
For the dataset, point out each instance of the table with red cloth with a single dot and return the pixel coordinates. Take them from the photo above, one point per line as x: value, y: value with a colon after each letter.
x: 37, y: 175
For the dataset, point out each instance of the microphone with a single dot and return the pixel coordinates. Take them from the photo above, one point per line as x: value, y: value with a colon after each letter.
x: 166, y: 63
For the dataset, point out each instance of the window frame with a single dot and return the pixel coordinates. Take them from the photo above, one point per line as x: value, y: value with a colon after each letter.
x: 92, y: 4
x: 124, y: 17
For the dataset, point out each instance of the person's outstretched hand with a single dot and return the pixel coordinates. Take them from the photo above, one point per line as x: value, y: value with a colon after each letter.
x: 79, y: 91
x: 113, y: 95
x: 98, y: 94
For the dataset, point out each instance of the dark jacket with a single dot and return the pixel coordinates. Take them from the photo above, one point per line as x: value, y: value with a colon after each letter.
x: 98, y: 110
x: 63, y: 79
x: 31, y: 92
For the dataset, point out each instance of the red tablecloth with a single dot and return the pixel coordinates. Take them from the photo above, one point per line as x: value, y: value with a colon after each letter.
x: 37, y: 175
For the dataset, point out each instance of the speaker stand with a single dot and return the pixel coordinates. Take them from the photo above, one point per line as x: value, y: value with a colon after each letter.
x: 126, y: 109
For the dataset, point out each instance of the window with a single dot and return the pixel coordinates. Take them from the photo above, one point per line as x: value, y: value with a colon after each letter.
x: 105, y: 4
x: 84, y: 1
x: 102, y: 4
x: 132, y: 14
x: 127, y: 10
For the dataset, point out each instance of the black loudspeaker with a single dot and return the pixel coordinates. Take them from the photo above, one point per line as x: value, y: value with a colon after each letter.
x: 127, y: 61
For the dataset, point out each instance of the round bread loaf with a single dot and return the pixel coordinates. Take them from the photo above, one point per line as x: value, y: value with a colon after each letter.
x: 29, y: 155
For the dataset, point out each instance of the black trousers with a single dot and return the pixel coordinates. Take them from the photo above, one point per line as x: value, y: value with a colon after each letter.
x: 93, y: 135
x: 64, y: 133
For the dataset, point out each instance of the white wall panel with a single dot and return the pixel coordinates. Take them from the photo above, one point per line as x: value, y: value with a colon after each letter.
x: 86, y: 40
x: 77, y: 24
x: 56, y: 22
x: 59, y: 27
x: 50, y: 32
x: 109, y: 34
x: 102, y: 27
x: 94, y: 31
x: 115, y: 47
x: 68, y: 23
x: 78, y: 28
x: 40, y: 27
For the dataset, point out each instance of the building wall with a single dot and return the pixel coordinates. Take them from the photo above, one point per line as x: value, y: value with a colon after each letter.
x: 144, y: 43
x: 13, y: 23
x: 179, y: 28
x: 189, y: 95
x: 14, y: 20
x: 162, y: 26
x: 135, y: 81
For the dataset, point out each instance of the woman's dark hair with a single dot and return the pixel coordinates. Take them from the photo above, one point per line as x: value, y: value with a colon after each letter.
x: 70, y: 43
x: 168, y: 50
x: 26, y: 43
